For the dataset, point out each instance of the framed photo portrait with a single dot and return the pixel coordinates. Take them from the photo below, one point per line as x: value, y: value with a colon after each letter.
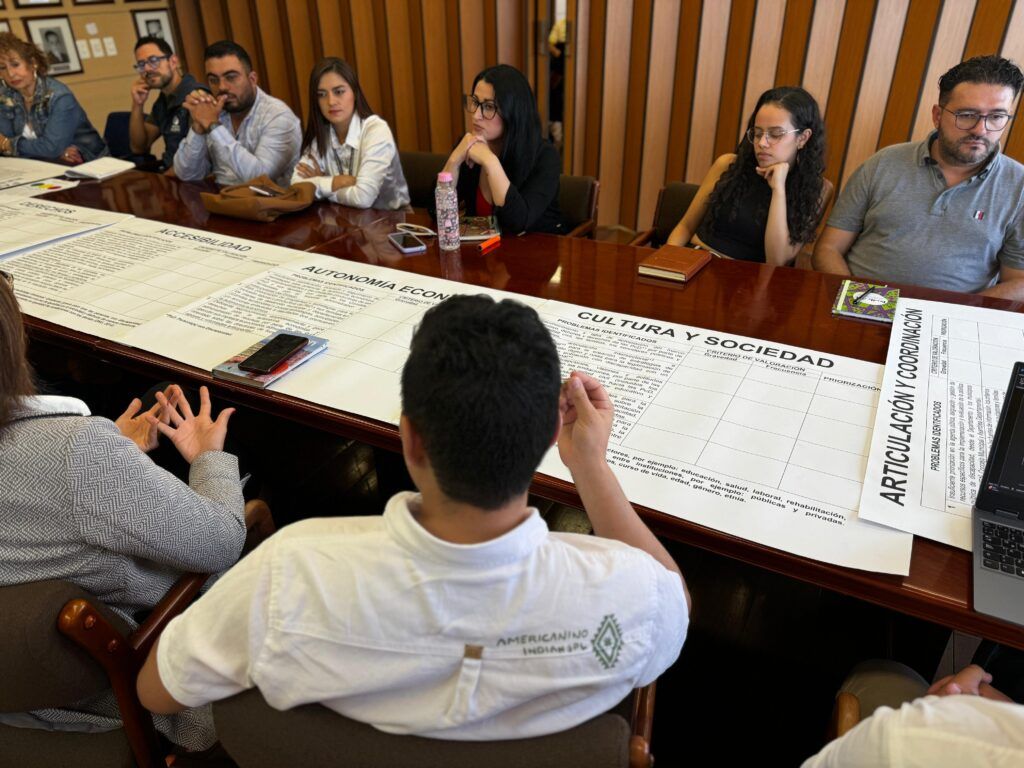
x: 92, y: 2
x: 37, y: 3
x: 54, y: 37
x: 155, y: 24
x: 4, y: 26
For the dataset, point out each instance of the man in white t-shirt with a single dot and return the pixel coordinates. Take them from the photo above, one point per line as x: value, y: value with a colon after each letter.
x: 960, y: 722
x: 456, y: 614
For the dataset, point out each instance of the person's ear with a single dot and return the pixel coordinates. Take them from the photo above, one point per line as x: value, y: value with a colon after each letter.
x: 803, y: 137
x: 558, y: 430
x: 936, y: 114
x: 412, y: 444
x: 253, y: 77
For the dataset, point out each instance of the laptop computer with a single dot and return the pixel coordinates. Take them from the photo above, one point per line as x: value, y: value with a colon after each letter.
x: 998, y: 523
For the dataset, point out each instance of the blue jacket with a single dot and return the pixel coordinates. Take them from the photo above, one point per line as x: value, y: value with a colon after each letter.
x: 57, y: 119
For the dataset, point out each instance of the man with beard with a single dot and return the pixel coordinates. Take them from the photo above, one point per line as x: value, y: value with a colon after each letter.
x: 945, y: 212
x: 239, y: 131
x: 159, y: 70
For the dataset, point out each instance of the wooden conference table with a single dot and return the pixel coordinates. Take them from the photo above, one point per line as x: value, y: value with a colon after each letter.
x: 783, y: 305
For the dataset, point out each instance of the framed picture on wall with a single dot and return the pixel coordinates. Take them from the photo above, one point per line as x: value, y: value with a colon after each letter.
x: 54, y: 37
x: 92, y: 2
x: 4, y: 26
x: 36, y: 3
x: 155, y: 24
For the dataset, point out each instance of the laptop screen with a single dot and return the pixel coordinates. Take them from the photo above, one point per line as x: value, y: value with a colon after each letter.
x: 1005, y: 471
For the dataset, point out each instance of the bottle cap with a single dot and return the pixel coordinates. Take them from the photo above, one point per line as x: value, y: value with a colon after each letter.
x: 444, y: 177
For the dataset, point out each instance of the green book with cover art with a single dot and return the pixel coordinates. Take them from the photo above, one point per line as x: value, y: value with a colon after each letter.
x: 866, y: 300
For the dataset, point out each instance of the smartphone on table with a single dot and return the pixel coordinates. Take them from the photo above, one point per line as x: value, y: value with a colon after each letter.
x: 407, y: 243
x: 273, y: 353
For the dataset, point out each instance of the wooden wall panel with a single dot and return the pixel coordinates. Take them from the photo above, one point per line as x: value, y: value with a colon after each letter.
x: 846, y: 78
x: 796, y: 32
x: 875, y: 83
x: 908, y: 78
x: 595, y: 65
x: 714, y: 29
x: 511, y: 25
x: 822, y: 48
x: 1013, y: 48
x: 578, y: 36
x: 613, y: 117
x: 215, y: 24
x: 435, y: 38
x: 301, y: 52
x: 987, y: 27
x: 947, y: 50
x: 367, y: 53
x: 636, y: 110
x: 332, y: 38
x: 193, y: 41
x: 656, y: 139
x: 764, y: 55
x: 400, y: 55
x: 734, y: 75
x: 471, y: 34
x: 684, y: 84
x: 279, y: 70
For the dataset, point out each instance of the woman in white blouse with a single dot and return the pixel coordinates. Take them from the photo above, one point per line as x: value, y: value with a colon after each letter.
x: 347, y: 151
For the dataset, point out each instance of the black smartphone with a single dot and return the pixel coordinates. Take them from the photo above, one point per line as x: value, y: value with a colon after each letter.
x: 273, y: 353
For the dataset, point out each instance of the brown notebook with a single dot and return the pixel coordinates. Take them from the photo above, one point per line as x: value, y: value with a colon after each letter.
x: 673, y: 262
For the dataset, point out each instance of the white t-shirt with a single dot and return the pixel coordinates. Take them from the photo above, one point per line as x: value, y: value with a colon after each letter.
x: 527, y: 634
x: 932, y: 732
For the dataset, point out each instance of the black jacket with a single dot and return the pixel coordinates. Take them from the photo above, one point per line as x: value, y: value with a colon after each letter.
x: 531, y: 207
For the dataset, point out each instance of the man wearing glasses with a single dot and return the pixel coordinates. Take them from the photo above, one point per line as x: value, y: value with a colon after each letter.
x: 159, y: 70
x: 945, y: 212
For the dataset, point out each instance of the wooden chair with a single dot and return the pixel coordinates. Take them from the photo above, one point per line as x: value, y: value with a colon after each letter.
x: 577, y: 199
x: 258, y: 736
x: 421, y: 169
x: 673, y: 200
x: 85, y: 651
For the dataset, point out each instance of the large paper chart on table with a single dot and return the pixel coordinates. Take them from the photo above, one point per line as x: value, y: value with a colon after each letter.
x: 26, y: 223
x: 107, y: 282
x: 945, y: 379
x: 760, y: 440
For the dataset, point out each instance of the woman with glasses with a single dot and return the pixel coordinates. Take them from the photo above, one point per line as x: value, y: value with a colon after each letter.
x: 39, y: 115
x: 503, y: 167
x: 81, y: 501
x: 348, y: 152
x: 764, y: 202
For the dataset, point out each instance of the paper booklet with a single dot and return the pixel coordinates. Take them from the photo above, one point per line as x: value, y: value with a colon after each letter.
x: 866, y: 300
x: 102, y: 168
x: 229, y: 370
x: 478, y: 228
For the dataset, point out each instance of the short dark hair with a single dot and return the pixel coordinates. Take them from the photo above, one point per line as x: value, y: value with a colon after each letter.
x: 991, y: 70
x: 481, y: 388
x: 159, y: 42
x: 223, y: 48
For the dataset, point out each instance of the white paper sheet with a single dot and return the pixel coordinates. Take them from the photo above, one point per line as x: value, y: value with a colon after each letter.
x: 110, y: 281
x: 27, y: 223
x: 756, y: 439
x: 945, y: 379
x: 37, y: 188
x: 22, y: 170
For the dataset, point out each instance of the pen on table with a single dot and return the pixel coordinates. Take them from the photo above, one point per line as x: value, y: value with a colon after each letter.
x: 492, y: 242
x: 865, y: 294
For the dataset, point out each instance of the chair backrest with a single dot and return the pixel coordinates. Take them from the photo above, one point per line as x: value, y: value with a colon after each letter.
x: 257, y: 736
x: 421, y: 169
x: 39, y: 666
x: 577, y: 199
x: 673, y: 200
x: 115, y: 133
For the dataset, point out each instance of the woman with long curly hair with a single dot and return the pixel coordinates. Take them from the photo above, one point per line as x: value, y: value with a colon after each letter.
x: 764, y: 202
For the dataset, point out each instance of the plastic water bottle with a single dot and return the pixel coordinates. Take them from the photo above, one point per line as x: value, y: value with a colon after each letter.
x: 447, y: 202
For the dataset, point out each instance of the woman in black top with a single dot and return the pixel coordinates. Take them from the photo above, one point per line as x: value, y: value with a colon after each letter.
x: 764, y: 202
x: 503, y: 167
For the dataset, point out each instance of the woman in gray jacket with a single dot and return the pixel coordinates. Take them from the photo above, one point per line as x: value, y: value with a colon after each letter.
x: 80, y: 500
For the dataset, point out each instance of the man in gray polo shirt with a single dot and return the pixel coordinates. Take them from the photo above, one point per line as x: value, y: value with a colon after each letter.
x: 945, y: 212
